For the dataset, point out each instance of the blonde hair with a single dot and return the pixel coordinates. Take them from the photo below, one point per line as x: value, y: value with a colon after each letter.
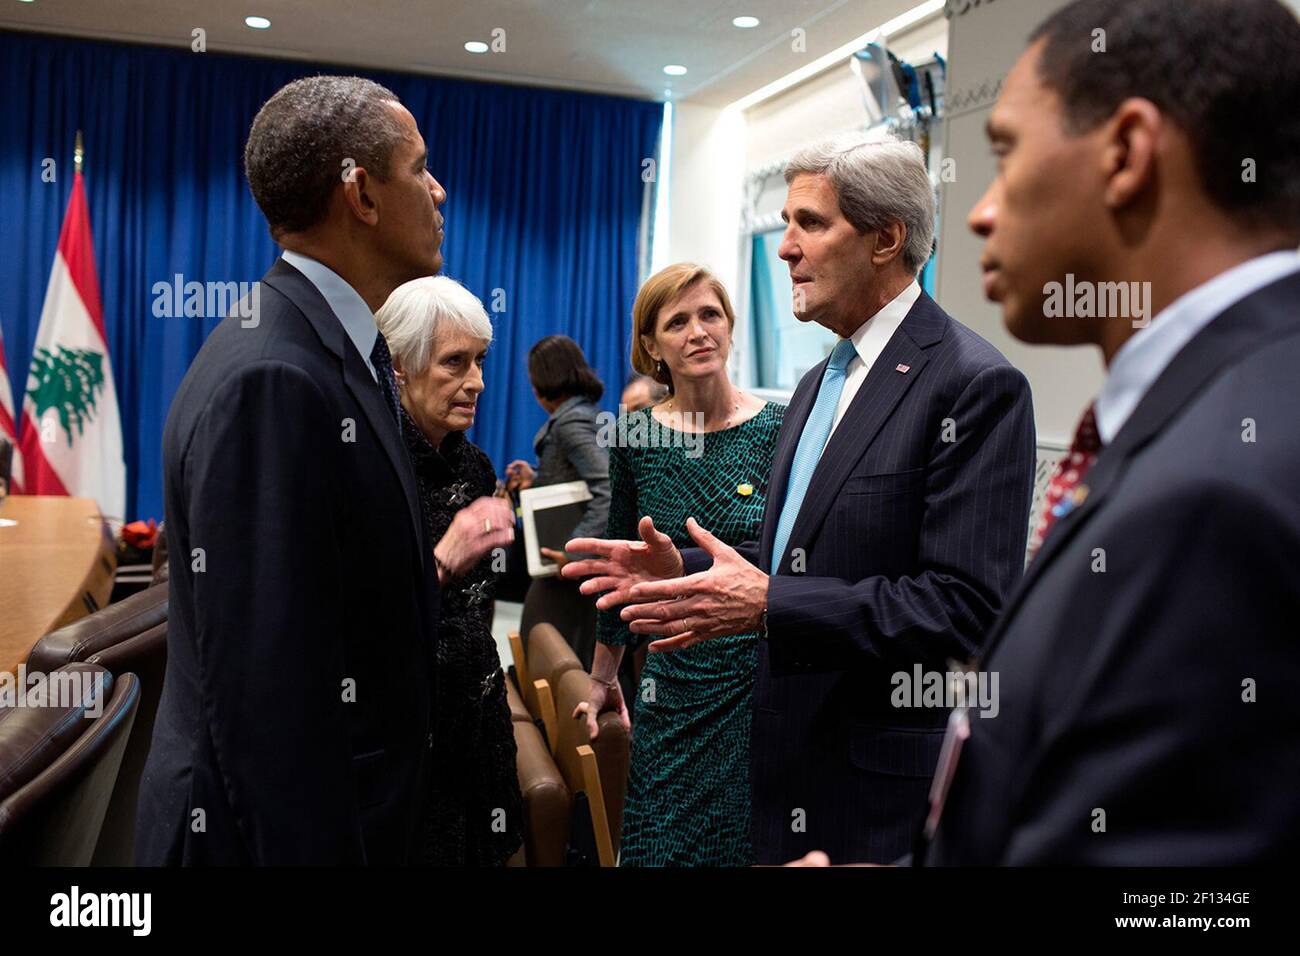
x: 658, y: 291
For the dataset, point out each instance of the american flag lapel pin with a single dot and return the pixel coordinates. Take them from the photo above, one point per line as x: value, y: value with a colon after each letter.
x: 903, y: 368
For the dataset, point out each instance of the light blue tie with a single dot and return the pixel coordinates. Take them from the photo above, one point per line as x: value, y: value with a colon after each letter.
x: 811, y: 443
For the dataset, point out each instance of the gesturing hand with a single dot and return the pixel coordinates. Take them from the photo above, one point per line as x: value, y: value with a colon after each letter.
x: 619, y: 565
x: 480, y: 526
x: 729, y: 598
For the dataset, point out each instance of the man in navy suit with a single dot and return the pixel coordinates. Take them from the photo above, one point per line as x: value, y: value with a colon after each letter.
x: 295, y: 719
x: 896, y: 525
x: 1150, y: 661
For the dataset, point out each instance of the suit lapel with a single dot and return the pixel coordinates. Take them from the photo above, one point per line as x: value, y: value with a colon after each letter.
x: 1244, y: 328
x: 370, y: 398
x: 877, y: 398
x: 541, y: 434
x: 356, y: 376
x: 1100, y: 479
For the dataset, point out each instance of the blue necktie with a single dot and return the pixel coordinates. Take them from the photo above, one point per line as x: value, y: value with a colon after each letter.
x: 811, y: 443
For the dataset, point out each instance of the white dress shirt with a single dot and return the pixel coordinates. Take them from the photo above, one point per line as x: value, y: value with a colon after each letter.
x: 348, y: 306
x: 1141, y: 359
x: 869, y: 341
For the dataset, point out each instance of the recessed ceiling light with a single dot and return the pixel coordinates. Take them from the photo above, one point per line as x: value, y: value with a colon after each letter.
x: 675, y: 69
x: 257, y: 23
x: 745, y: 23
x: 476, y: 46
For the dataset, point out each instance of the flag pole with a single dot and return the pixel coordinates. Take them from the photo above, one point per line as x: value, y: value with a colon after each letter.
x: 78, y: 152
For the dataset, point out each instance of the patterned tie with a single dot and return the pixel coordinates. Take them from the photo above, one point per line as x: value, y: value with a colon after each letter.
x: 1062, y: 496
x: 383, y: 365
x: 811, y: 444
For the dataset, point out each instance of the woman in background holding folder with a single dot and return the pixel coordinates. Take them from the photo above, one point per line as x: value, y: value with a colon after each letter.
x: 567, y: 450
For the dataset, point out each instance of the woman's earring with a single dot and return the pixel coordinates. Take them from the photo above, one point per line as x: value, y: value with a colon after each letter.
x: 659, y: 366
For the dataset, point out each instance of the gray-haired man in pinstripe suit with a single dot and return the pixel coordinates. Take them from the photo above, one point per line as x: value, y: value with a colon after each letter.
x: 896, y: 526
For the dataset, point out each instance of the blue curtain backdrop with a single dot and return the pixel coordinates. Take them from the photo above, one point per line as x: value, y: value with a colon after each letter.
x: 544, y: 202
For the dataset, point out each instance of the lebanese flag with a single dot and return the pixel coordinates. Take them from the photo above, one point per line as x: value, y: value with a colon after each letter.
x: 72, y: 434
x: 8, y: 427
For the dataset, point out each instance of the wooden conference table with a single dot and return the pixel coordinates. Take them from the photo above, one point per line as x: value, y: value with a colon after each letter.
x: 56, y: 565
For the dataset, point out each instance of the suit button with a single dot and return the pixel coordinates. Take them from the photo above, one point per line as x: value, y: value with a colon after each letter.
x: 428, y: 741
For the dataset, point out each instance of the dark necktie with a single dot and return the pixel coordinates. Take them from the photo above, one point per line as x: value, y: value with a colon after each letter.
x: 1066, y: 491
x: 383, y: 365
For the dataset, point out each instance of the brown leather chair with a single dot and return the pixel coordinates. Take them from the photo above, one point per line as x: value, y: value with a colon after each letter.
x: 546, y: 798
x: 597, y: 767
x: 111, y: 625
x: 517, y: 709
x: 57, y: 770
x: 129, y: 636
x: 145, y: 656
x: 549, y: 656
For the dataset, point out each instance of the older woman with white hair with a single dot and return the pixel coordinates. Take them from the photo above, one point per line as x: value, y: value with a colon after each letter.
x: 438, y: 334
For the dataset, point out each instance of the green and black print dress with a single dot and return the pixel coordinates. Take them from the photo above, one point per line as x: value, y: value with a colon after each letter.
x: 688, y: 798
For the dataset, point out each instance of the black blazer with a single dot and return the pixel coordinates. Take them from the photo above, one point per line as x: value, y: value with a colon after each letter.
x: 912, y: 532
x: 295, y: 716
x: 1124, y: 691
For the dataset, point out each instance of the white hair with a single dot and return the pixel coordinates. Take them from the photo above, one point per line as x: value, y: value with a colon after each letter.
x: 876, y: 182
x: 422, y: 310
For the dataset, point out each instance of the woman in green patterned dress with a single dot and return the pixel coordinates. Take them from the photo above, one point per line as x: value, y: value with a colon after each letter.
x: 706, y: 453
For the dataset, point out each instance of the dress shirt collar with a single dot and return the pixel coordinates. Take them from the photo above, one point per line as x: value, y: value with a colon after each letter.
x: 348, y: 306
x: 1141, y: 359
x: 874, y: 334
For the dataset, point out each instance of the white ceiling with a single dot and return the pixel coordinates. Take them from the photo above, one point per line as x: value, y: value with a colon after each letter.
x: 607, y: 46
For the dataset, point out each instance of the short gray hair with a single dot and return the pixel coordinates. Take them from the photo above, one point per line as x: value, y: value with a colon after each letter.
x: 876, y: 182
x: 303, y: 137
x: 421, y: 311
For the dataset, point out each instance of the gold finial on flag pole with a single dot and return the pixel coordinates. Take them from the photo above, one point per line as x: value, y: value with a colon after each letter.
x: 78, y: 153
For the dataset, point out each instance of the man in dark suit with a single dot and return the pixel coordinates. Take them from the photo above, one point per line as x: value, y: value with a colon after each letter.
x: 1149, y: 662
x: 294, y: 725
x: 896, y: 524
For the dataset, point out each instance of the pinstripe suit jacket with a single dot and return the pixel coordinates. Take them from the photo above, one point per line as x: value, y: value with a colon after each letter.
x: 908, y: 541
